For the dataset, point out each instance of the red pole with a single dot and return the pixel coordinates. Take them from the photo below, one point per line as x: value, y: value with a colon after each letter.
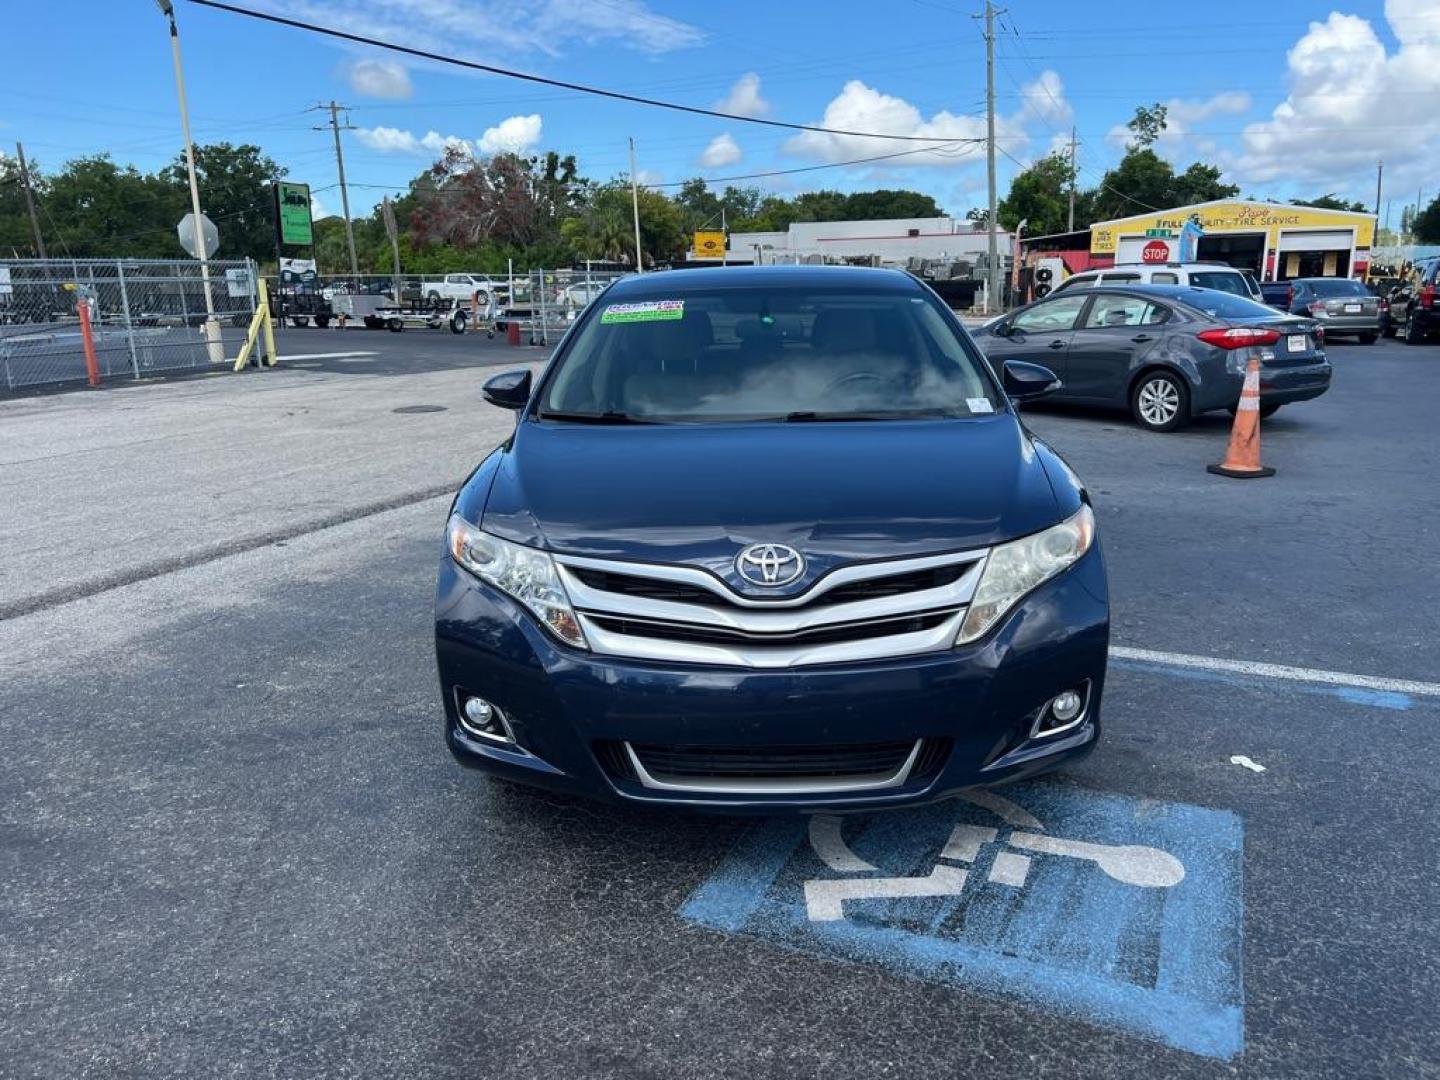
x: 92, y: 366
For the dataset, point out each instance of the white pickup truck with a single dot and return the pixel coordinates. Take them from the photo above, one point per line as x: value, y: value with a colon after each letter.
x: 459, y: 287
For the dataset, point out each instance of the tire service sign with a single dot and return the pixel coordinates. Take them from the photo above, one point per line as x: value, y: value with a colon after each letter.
x: 292, y: 213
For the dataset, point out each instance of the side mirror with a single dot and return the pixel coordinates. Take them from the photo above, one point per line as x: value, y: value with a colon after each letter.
x: 508, y: 390
x: 1001, y: 329
x: 1025, y: 381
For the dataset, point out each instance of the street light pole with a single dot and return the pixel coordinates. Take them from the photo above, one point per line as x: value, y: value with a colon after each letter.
x: 213, y: 343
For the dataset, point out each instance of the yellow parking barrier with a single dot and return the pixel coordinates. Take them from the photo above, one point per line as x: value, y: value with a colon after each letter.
x: 260, y: 321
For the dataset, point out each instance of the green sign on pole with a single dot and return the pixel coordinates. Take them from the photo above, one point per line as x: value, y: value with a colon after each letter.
x: 1159, y: 234
x: 292, y: 212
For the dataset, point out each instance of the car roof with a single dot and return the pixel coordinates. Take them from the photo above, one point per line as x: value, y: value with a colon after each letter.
x: 1190, y: 295
x: 1160, y: 266
x: 706, y: 279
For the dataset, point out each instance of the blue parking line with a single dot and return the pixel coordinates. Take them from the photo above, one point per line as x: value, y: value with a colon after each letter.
x: 1161, y: 963
x: 1378, y: 699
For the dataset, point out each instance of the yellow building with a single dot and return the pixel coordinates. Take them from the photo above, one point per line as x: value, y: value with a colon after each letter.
x: 1276, y: 241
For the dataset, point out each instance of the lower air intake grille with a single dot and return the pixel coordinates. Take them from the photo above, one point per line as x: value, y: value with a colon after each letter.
x: 732, y: 762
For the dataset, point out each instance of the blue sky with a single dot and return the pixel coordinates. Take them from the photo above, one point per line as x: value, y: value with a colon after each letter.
x: 1289, y: 97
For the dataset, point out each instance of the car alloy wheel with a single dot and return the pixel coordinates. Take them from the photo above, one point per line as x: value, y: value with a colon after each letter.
x: 1160, y: 402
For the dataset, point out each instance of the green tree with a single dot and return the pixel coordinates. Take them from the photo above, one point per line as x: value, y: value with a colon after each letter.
x: 1142, y: 180
x: 235, y: 193
x: 1329, y: 201
x: 1039, y: 195
x: 16, y: 239
x: 820, y: 206
x: 1200, y: 183
x: 103, y: 209
x: 1426, y: 224
x: 604, y: 227
x: 886, y: 203
x: 1148, y: 124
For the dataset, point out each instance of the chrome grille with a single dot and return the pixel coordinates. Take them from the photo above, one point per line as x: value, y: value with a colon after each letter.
x: 683, y: 614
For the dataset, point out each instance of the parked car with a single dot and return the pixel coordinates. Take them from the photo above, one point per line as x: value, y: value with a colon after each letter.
x: 1381, y: 288
x: 1341, y: 305
x: 1413, y: 308
x: 580, y: 293
x: 462, y: 287
x: 1277, y: 294
x: 1199, y: 274
x: 770, y: 538
x: 1165, y: 352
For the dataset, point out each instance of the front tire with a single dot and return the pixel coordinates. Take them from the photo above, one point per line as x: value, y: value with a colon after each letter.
x: 1413, y: 336
x: 1160, y: 401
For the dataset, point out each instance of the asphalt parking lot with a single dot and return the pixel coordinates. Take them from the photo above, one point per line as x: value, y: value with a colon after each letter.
x: 235, y: 845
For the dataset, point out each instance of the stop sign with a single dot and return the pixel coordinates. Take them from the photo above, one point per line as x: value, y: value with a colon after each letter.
x: 1156, y: 251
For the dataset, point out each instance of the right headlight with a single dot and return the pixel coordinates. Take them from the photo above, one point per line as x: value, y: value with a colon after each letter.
x: 526, y: 573
x: 1016, y: 568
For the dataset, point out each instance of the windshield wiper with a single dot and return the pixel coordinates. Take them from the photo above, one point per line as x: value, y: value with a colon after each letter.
x: 610, y: 417
x: 808, y: 417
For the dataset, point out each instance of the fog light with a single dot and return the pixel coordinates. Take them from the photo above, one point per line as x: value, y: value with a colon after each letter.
x: 1066, y: 706
x: 478, y: 717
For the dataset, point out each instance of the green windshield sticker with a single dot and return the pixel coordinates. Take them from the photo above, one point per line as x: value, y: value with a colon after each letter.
x: 646, y: 311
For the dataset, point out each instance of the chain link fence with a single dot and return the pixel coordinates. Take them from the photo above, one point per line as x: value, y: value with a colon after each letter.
x: 145, y: 316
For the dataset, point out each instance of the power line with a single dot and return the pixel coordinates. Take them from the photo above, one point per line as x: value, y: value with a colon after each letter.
x: 938, y: 148
x: 542, y: 80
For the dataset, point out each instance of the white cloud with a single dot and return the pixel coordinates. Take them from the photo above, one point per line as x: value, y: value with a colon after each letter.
x: 389, y: 140
x: 1352, y: 103
x: 859, y: 107
x: 723, y: 150
x: 649, y: 177
x: 514, y: 135
x: 318, y: 209
x: 490, y: 29
x: 380, y: 79
x: 744, y: 98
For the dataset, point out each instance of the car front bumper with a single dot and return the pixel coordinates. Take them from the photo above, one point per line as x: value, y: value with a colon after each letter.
x: 568, y: 708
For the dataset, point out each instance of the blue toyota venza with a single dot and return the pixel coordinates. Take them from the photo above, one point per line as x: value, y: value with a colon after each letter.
x: 770, y: 538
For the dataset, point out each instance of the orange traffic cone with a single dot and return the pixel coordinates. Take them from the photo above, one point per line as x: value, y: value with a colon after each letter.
x: 1242, y: 459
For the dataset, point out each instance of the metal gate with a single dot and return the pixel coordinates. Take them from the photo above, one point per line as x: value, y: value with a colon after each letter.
x: 145, y: 316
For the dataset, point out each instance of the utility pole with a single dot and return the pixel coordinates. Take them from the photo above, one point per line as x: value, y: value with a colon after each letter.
x: 1070, y: 219
x: 992, y: 284
x: 388, y: 213
x: 1379, y: 174
x: 635, y: 203
x: 334, y: 110
x: 30, y: 201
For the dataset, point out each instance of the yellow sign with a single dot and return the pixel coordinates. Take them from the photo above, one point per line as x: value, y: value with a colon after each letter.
x: 1233, y: 217
x: 710, y: 245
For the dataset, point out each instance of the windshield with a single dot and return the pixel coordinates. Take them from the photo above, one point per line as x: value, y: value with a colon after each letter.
x: 1226, y: 305
x: 1337, y: 287
x: 1224, y: 280
x: 772, y: 353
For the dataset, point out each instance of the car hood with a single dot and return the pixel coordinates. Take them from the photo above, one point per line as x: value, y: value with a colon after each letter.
x: 837, y: 492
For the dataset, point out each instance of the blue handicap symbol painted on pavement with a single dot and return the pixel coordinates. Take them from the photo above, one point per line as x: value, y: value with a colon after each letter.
x: 1108, y: 909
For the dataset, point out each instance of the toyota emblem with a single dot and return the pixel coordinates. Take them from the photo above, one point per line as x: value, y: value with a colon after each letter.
x: 770, y: 565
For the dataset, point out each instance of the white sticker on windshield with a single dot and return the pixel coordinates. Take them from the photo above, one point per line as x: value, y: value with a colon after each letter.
x: 979, y: 405
x: 645, y: 311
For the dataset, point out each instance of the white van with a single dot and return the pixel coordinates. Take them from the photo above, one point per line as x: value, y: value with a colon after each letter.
x: 1201, y: 275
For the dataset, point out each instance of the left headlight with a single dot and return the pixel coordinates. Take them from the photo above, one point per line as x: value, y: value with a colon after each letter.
x: 523, y: 572
x: 1016, y: 568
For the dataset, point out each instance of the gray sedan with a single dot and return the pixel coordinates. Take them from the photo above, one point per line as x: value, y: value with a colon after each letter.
x: 1165, y: 352
x: 1341, y: 305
